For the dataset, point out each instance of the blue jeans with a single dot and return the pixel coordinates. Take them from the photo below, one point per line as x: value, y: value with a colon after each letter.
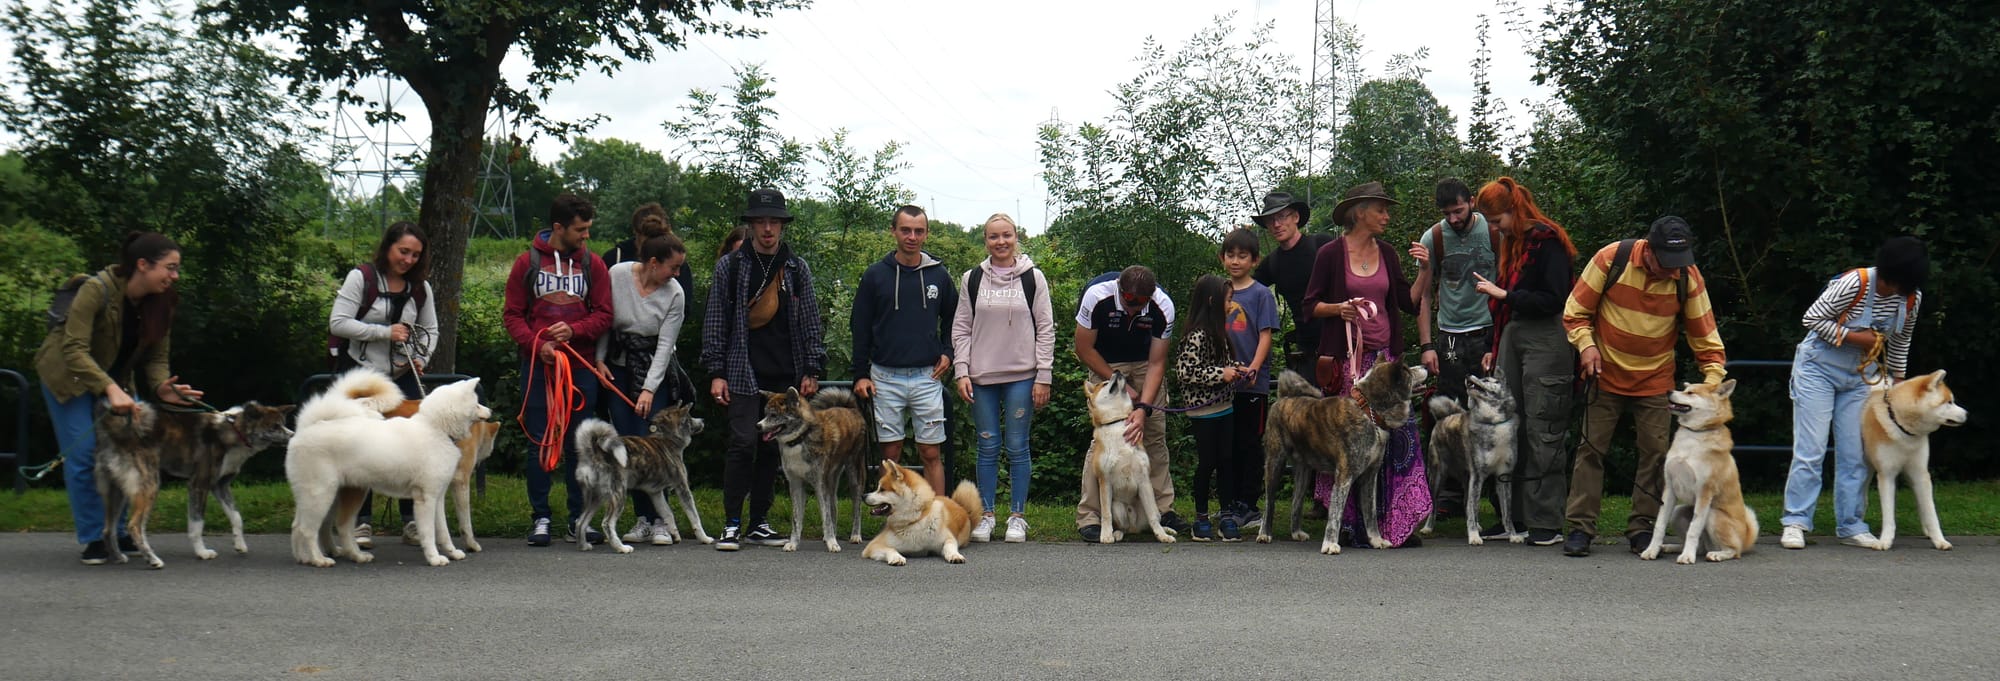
x: 536, y: 403
x: 75, y: 423
x: 1826, y: 390
x: 989, y: 402
x: 629, y: 422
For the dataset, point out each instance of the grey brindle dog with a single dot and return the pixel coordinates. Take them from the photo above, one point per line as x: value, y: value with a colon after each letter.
x: 609, y: 465
x: 1476, y: 440
x: 1338, y: 435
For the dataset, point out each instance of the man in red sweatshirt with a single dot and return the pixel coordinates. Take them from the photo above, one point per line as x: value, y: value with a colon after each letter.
x: 558, y: 293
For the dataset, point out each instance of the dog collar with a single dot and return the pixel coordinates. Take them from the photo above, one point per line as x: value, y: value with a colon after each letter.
x: 794, y: 442
x: 1369, y: 409
x: 1709, y: 429
x: 1891, y: 407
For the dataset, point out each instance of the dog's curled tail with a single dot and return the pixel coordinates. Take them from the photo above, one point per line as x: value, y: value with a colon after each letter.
x: 598, y: 437
x: 1442, y: 406
x: 356, y: 393
x: 967, y: 497
x: 834, y: 397
x: 1291, y: 384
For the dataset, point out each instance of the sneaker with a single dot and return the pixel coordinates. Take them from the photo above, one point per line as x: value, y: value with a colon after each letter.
x: 410, y: 535
x: 1017, y: 529
x: 1203, y: 529
x: 984, y: 531
x: 1172, y: 521
x: 364, y: 535
x: 1578, y: 544
x: 1544, y: 537
x: 1230, y: 530
x: 1091, y: 533
x: 763, y: 535
x: 1247, y: 517
x: 1413, y: 542
x: 127, y: 545
x: 1637, y: 543
x: 641, y: 532
x: 590, y: 535
x: 1794, y: 537
x: 95, y: 554
x: 1499, y: 533
x: 732, y: 538
x: 1864, y: 540
x: 539, y: 535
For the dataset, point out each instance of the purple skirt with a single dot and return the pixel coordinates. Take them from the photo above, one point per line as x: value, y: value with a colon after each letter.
x: 1403, y: 493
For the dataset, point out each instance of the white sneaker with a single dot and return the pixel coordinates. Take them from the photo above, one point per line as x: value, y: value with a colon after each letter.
x: 1017, y: 529
x: 411, y: 536
x: 364, y: 536
x: 983, y: 532
x: 1794, y: 537
x: 641, y: 532
x: 1864, y: 540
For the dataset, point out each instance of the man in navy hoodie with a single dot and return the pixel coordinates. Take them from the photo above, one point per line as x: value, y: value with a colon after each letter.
x: 558, y: 293
x: 902, y: 342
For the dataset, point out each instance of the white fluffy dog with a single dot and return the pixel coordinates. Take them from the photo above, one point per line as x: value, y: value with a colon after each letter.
x: 343, y: 441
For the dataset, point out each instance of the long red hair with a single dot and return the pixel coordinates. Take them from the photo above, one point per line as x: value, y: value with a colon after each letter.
x: 1507, y: 196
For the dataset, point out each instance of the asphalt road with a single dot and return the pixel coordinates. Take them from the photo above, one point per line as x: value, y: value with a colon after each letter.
x: 1138, y: 610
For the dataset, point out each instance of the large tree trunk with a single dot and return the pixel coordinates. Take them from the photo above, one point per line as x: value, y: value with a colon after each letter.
x: 458, y: 127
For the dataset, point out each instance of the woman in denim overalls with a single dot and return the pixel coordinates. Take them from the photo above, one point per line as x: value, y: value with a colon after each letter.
x: 1829, y: 383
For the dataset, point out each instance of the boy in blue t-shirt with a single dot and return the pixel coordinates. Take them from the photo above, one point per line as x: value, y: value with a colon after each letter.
x: 1252, y: 319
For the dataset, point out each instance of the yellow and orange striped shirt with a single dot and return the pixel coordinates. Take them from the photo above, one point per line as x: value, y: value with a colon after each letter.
x: 1632, y: 324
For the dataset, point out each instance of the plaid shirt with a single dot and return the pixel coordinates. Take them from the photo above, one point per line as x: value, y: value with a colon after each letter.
x: 725, y: 329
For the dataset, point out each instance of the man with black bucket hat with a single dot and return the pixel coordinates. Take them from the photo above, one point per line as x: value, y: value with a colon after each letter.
x: 1626, y: 340
x: 761, y: 332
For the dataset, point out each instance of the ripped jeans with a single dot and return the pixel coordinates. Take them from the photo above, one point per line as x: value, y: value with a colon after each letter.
x: 1001, y: 413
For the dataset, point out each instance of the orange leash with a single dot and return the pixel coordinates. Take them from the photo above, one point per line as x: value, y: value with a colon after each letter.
x: 561, y: 397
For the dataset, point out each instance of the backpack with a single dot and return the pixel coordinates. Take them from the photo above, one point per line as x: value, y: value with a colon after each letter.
x: 65, y: 296
x: 1861, y: 293
x: 372, y: 283
x: 977, y: 274
x: 1617, y: 270
x: 1437, y: 261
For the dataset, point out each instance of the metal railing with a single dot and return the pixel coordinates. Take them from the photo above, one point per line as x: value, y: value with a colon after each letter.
x: 19, y: 455
x: 1784, y: 364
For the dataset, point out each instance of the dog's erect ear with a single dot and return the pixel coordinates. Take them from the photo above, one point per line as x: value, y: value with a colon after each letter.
x: 1723, y: 391
x: 287, y: 408
x: 1937, y: 379
x: 792, y: 392
x: 766, y: 394
x: 1090, y: 390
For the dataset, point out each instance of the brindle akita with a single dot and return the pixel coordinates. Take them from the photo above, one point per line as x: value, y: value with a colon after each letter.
x: 821, y: 441
x: 1340, y: 436
x: 608, y: 465
x: 206, y: 448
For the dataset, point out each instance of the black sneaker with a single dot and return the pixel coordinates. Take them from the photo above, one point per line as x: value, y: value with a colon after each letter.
x: 1172, y: 521
x: 1091, y: 533
x: 1545, y: 537
x: 1203, y: 529
x: 95, y: 554
x: 539, y: 534
x: 1577, y: 545
x: 762, y: 535
x: 127, y: 545
x: 1230, y: 530
x: 1247, y: 517
x: 1640, y: 541
x: 1498, y: 533
x: 732, y: 538
x: 1414, y: 542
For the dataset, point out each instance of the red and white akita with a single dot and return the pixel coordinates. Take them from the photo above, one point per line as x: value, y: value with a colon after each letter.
x: 916, y: 520
x: 1701, y: 472
x: 1896, y: 427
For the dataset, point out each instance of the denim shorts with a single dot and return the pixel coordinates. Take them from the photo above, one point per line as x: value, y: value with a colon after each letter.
x: 911, y: 391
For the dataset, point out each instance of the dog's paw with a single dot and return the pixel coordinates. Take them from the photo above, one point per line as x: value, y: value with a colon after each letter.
x: 455, y: 554
x: 1649, y: 554
x: 363, y: 557
x: 1263, y: 538
x: 1381, y: 543
x: 1685, y: 559
x: 1719, y: 556
x: 833, y: 546
x: 206, y: 554
x: 851, y: 539
x: 896, y: 560
x: 791, y: 546
x: 1427, y: 533
x: 1329, y: 548
x: 437, y: 561
x: 623, y: 548
x: 1882, y: 544
x: 472, y: 546
x: 1517, y: 538
x: 1941, y: 544
x: 1474, y: 540
x: 318, y: 562
x: 242, y: 549
x: 1300, y: 535
x: 584, y: 546
x: 1166, y: 537
x: 154, y: 563
x: 118, y: 557
x: 955, y: 558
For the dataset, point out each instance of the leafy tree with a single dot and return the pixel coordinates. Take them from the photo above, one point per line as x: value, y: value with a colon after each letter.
x: 738, y: 137
x: 450, y: 54
x: 1487, y: 124
x: 618, y: 177
x: 1399, y: 134
x: 859, y: 188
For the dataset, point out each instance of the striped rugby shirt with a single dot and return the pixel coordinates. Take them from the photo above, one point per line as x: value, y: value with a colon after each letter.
x: 1823, y: 318
x: 1632, y: 324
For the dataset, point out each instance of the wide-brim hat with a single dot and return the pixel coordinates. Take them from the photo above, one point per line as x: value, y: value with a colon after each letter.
x: 1277, y: 202
x: 766, y: 203
x: 1357, y: 194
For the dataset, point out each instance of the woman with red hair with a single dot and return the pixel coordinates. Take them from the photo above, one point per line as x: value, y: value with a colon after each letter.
x: 1534, y: 355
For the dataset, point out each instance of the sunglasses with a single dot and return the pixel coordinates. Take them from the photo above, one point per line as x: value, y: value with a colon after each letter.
x: 1132, y: 300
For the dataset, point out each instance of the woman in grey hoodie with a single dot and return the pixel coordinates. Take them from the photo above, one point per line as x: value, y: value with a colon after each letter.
x: 1003, y: 340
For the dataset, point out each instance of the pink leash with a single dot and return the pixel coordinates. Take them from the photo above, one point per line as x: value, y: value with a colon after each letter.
x: 1365, y: 309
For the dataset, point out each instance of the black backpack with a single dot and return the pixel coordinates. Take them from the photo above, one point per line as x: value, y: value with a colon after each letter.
x: 1618, y: 260
x: 978, y: 274
x: 65, y: 296
x: 371, y: 289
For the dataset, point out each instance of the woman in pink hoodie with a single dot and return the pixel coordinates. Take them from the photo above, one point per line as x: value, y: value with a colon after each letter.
x: 1004, y: 342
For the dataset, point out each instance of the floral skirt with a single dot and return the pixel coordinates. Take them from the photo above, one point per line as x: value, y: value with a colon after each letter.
x: 1403, y: 493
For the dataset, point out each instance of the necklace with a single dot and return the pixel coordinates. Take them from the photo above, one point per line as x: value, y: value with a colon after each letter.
x: 764, y: 265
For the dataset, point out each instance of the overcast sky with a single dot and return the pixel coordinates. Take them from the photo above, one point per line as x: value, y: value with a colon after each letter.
x: 964, y: 85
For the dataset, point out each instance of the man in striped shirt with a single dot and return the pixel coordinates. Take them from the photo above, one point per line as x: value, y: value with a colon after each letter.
x: 1624, y: 329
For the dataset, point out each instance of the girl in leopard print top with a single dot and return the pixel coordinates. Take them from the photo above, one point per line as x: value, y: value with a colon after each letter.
x: 1207, y: 368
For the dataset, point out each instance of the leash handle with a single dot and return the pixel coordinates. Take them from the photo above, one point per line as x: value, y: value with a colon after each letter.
x: 1365, y: 309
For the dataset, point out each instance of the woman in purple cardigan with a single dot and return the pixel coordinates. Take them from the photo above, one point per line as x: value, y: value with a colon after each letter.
x: 1356, y: 280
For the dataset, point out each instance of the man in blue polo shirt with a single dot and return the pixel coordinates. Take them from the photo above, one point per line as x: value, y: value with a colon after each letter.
x: 1124, y: 325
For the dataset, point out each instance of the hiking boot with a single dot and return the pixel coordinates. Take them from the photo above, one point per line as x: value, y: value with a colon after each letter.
x: 984, y: 531
x: 732, y: 538
x: 1578, y: 544
x: 1637, y: 543
x: 1794, y: 537
x: 762, y: 535
x: 1017, y: 529
x: 1230, y: 530
x: 94, y: 553
x: 1172, y: 521
x: 641, y: 532
x: 364, y: 535
x: 1091, y: 533
x: 1540, y: 537
x: 411, y: 537
x: 539, y: 534
x: 1203, y: 529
